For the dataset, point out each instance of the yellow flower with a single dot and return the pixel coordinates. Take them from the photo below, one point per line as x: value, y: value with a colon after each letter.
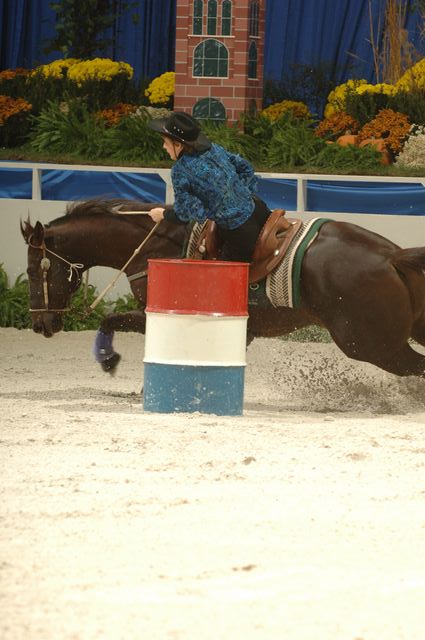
x: 161, y: 88
x: 98, y: 69
x: 382, y: 87
x: 278, y: 109
x: 337, y: 97
x: 56, y: 69
x: 413, y: 78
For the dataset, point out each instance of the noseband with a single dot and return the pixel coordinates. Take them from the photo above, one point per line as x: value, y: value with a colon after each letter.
x: 45, y: 266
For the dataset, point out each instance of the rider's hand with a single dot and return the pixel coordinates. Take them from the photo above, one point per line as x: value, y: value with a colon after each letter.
x: 157, y: 214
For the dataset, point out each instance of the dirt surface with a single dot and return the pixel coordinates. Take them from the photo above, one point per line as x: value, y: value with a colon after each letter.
x: 302, y: 520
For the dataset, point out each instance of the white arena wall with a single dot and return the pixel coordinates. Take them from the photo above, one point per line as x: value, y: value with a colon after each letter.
x: 404, y: 230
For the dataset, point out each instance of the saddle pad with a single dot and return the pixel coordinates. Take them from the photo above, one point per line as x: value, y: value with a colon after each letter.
x: 193, y: 241
x: 283, y: 283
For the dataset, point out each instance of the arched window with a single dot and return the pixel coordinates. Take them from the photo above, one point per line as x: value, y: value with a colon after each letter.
x: 211, y: 59
x: 198, y: 9
x: 212, y: 18
x: 209, y: 109
x: 226, y: 18
x: 252, y: 60
x: 254, y: 18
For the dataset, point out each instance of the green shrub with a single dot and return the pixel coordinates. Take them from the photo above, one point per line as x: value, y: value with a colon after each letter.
x: 68, y: 128
x: 132, y: 139
x: 293, y: 143
x: 231, y: 137
x: 77, y: 318
x: 14, y: 302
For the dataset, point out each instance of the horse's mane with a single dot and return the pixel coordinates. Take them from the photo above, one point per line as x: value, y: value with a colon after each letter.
x: 95, y: 206
x: 100, y: 207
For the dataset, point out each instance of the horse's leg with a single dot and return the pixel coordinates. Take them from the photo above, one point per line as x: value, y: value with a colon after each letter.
x: 127, y: 321
x: 368, y: 314
x: 380, y: 336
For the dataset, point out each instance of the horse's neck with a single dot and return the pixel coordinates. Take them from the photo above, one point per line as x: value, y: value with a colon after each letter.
x: 110, y: 242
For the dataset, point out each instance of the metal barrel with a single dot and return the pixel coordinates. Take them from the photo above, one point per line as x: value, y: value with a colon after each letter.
x: 195, y: 348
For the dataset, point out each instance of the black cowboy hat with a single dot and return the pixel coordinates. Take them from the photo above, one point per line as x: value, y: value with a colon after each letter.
x: 182, y: 127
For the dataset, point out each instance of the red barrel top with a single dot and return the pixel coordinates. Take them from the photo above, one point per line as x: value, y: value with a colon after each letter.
x: 209, y: 287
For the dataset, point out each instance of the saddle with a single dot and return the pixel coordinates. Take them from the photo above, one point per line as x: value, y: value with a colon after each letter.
x: 272, y: 244
x: 273, y: 241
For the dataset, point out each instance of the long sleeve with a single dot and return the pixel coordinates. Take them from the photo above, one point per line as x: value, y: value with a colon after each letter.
x: 244, y: 170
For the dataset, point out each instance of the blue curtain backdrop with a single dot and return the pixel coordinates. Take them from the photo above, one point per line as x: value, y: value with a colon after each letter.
x: 298, y: 32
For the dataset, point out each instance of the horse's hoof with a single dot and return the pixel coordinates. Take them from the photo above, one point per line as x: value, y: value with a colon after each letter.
x: 110, y: 364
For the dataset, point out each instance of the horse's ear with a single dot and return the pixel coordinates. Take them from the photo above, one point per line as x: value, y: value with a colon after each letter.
x: 35, y: 234
x: 26, y: 229
x: 38, y: 234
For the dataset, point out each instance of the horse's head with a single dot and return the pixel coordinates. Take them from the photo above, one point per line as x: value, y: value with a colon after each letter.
x: 52, y: 279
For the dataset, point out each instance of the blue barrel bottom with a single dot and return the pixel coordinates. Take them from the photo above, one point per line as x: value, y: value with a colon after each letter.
x: 187, y: 389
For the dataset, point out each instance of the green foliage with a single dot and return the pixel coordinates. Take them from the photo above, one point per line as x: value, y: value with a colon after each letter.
x: 39, y: 90
x: 231, y: 138
x: 14, y: 302
x: 132, y: 139
x: 340, y: 159
x: 80, y: 26
x: 293, y: 143
x: 68, y: 128
x: 365, y: 106
x: 77, y: 319
x: 411, y: 103
x: 125, y: 303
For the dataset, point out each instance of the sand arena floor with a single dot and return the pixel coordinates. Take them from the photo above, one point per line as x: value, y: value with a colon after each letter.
x: 302, y: 520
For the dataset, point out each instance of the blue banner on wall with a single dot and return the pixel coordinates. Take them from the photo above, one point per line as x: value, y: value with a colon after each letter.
x: 322, y: 195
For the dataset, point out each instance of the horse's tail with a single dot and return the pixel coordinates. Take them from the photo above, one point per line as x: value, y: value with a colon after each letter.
x: 413, y: 258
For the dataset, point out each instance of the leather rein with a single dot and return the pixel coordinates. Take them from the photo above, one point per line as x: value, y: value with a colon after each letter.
x: 45, y: 266
x: 75, y: 266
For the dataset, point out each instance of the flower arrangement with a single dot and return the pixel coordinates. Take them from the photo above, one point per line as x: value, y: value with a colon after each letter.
x: 380, y: 88
x: 11, y: 74
x: 392, y: 126
x: 161, y: 89
x: 336, y: 125
x: 337, y: 97
x: 113, y: 115
x: 413, y: 78
x: 413, y: 152
x: 278, y: 109
x: 98, y: 69
x: 57, y: 69
x: 10, y: 107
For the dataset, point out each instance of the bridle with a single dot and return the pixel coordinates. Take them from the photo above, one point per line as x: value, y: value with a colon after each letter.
x: 45, y: 266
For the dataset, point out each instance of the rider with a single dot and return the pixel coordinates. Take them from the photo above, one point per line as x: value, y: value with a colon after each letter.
x: 211, y: 183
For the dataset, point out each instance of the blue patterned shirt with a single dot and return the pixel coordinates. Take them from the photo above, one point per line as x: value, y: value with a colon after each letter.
x: 216, y: 185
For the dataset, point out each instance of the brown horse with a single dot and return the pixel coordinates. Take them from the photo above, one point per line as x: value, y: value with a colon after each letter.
x: 366, y: 291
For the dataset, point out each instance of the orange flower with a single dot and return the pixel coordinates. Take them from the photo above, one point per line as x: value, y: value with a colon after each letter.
x: 113, y: 115
x: 10, y: 74
x: 11, y: 107
x: 392, y: 126
x: 336, y: 125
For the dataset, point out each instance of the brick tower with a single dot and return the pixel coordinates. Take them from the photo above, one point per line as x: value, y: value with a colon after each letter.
x: 219, y: 57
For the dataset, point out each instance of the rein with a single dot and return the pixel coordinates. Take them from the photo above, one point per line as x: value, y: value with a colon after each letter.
x: 45, y: 266
x: 112, y: 283
x: 73, y: 268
